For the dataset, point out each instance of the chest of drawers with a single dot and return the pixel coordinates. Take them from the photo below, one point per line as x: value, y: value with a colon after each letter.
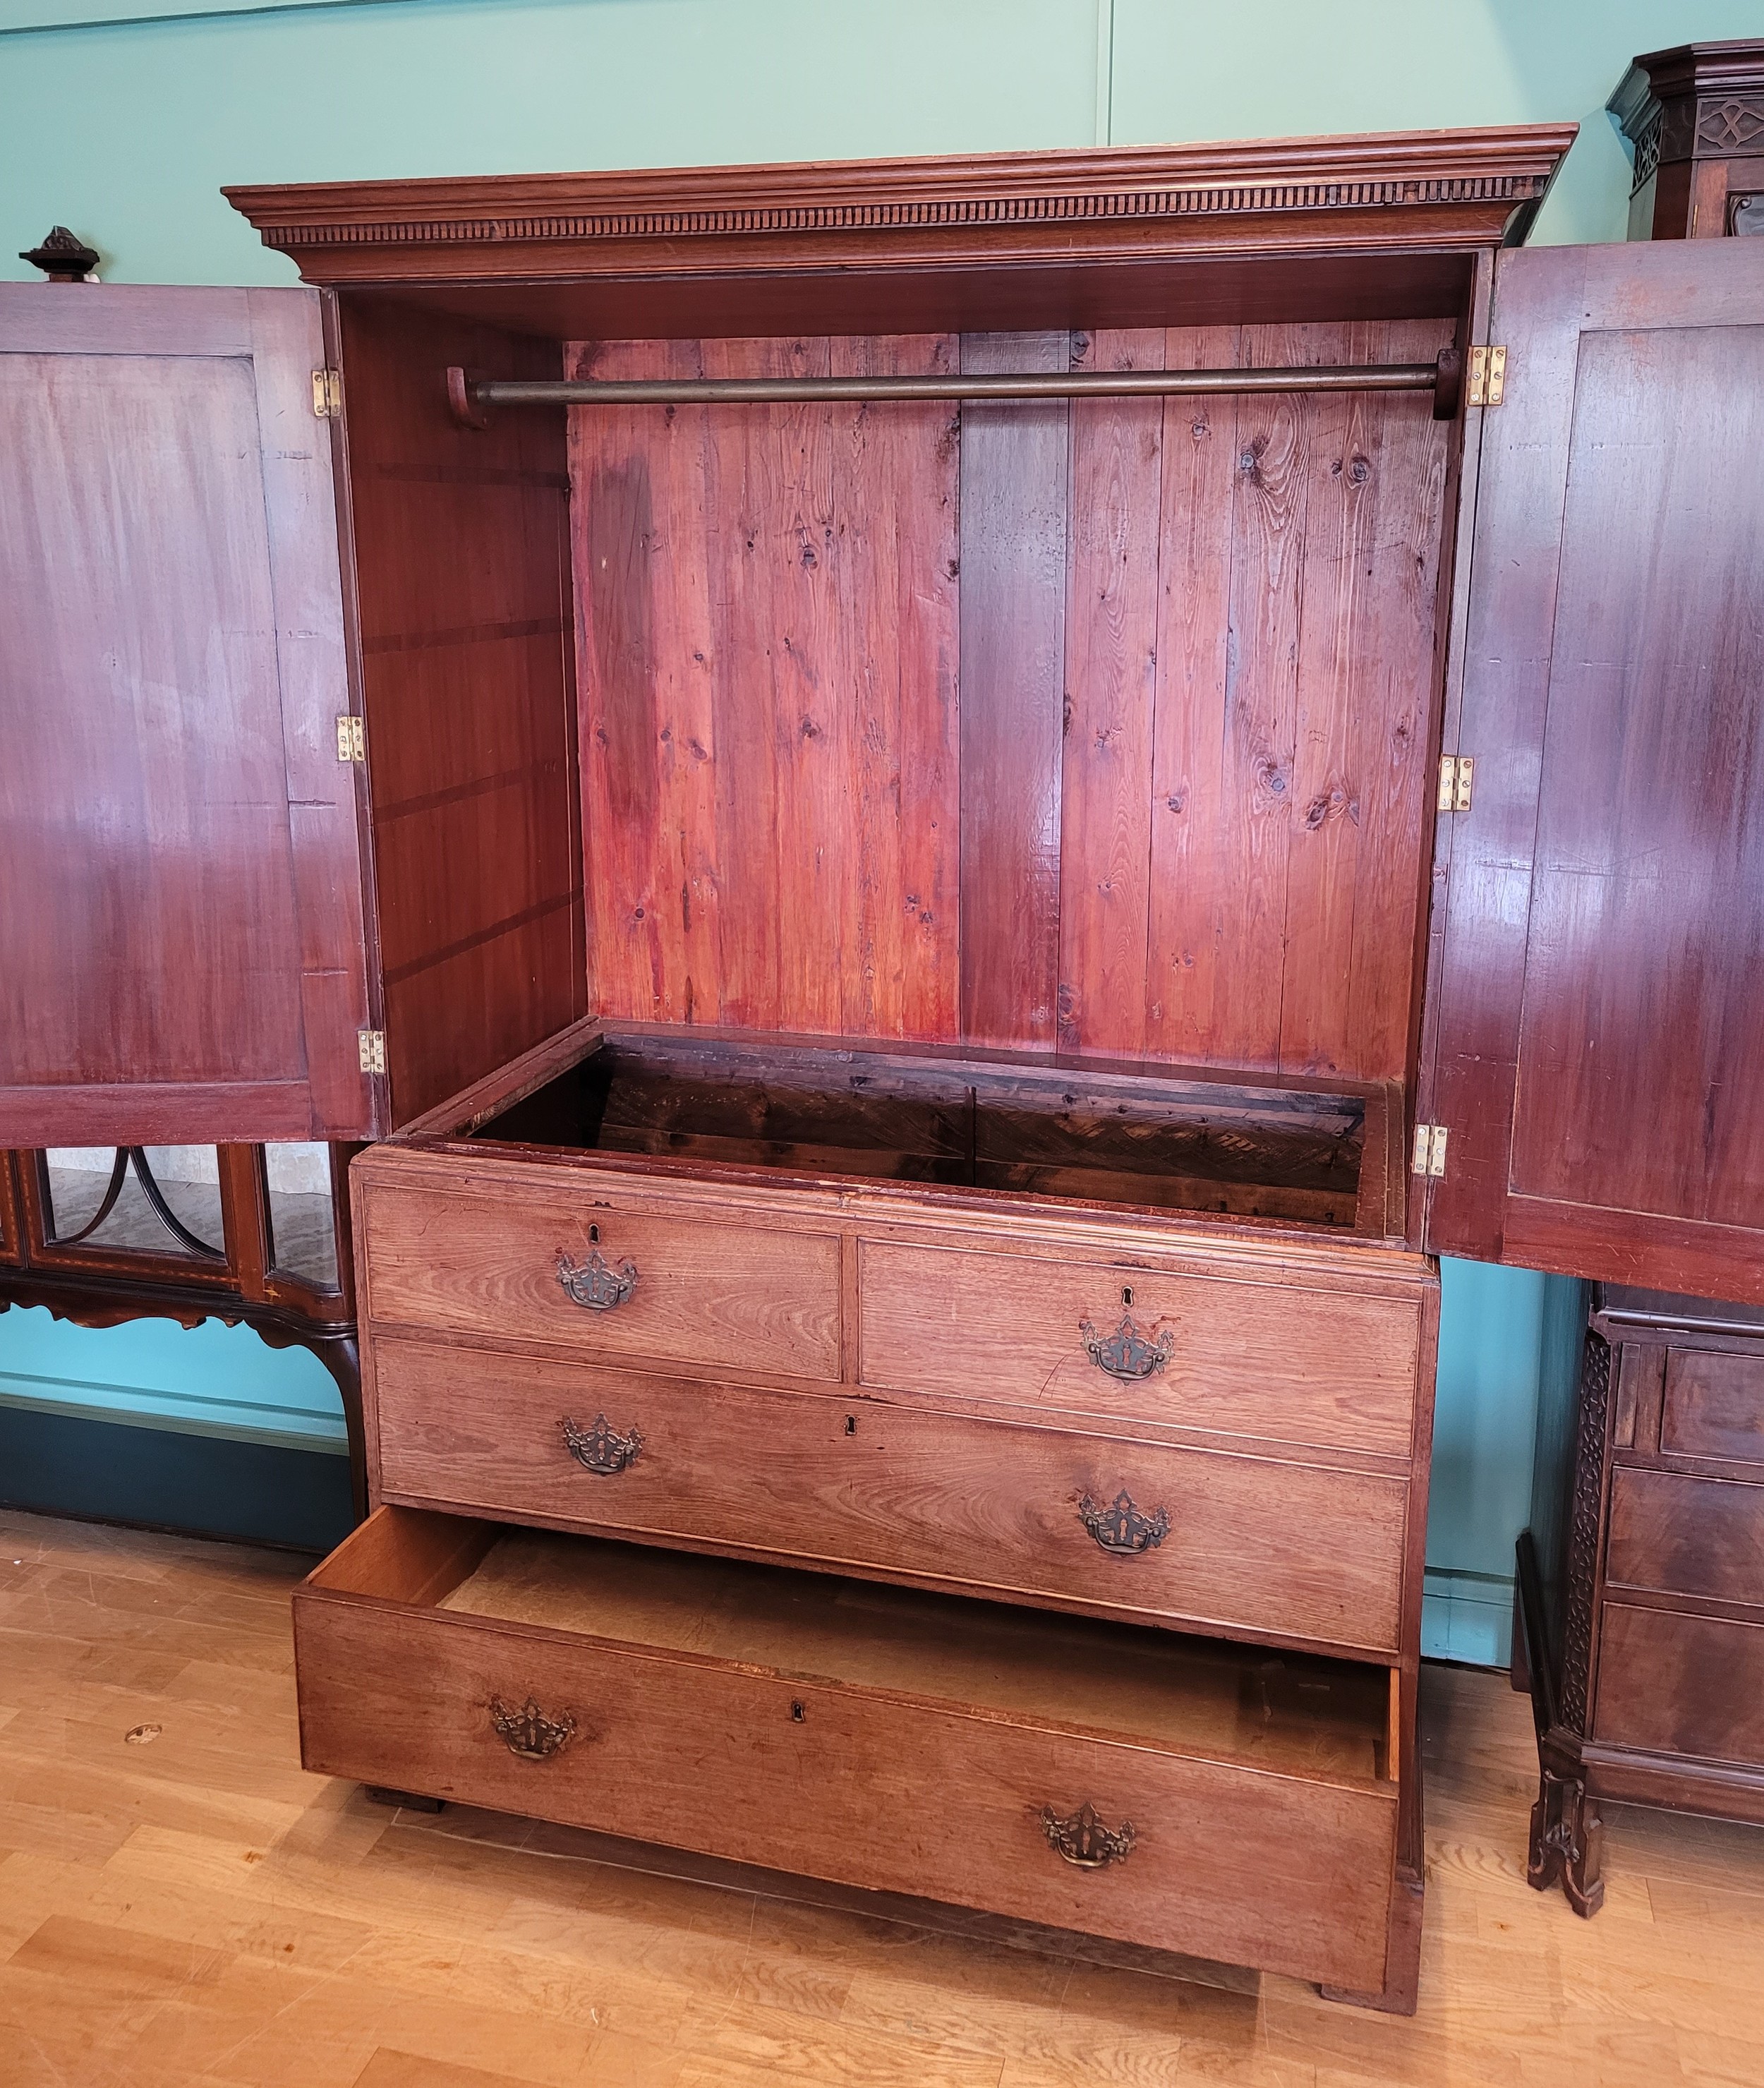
x: 1640, y: 1627
x: 1091, y: 1512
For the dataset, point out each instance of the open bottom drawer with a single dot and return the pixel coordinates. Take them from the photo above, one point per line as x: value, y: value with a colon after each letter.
x: 874, y: 1736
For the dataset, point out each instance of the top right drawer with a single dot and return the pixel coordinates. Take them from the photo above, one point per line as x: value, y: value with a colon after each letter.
x: 1714, y: 1405
x: 1279, y: 1360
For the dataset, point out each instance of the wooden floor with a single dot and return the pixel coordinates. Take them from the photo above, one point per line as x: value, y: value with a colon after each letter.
x: 179, y: 1903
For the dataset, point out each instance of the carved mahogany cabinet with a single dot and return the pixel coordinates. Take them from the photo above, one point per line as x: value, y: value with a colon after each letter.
x: 1695, y: 117
x: 1639, y: 1628
x: 956, y: 811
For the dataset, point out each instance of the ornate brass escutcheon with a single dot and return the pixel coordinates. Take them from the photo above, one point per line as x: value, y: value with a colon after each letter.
x: 595, y: 1283
x: 1083, y: 1839
x: 1120, y: 1527
x: 1127, y: 1354
x: 528, y: 1732
x: 601, y: 1449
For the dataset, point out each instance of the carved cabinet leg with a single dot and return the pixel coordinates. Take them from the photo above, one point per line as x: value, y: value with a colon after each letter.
x: 1567, y: 1839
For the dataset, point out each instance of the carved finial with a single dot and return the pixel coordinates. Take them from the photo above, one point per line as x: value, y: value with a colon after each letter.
x: 63, y: 258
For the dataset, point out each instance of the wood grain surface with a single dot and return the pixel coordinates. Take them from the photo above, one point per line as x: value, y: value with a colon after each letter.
x: 1282, y: 1549
x: 767, y: 661
x: 1314, y: 1718
x: 1282, y: 1362
x: 1686, y: 1536
x: 1678, y: 1684
x: 746, y: 1099
x: 198, y: 1910
x: 705, y: 1293
x: 1714, y: 1406
x: 183, y: 956
x: 1649, y: 740
x: 1187, y: 813
x: 1602, y: 961
x: 461, y: 563
x: 1015, y: 504
x: 927, y: 1770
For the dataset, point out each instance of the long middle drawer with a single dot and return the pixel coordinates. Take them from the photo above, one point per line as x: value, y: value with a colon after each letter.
x: 1284, y: 1548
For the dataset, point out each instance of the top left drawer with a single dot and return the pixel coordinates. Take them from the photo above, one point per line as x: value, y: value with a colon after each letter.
x: 579, y: 1272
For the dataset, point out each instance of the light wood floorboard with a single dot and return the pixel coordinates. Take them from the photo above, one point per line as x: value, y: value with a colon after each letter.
x: 180, y: 1903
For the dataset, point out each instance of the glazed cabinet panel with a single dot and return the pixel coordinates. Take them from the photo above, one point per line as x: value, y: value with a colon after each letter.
x: 183, y: 956
x: 1602, y: 996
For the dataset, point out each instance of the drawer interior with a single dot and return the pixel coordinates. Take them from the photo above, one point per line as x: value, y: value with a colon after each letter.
x: 1294, y: 1154
x: 1283, y: 1713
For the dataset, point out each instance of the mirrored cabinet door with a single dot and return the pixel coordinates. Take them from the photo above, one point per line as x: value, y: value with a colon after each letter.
x: 303, y: 1189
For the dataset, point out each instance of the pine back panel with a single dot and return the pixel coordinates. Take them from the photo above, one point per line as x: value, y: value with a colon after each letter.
x: 1105, y: 726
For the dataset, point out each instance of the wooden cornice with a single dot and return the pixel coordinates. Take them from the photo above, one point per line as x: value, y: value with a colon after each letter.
x: 1694, y: 101
x: 1439, y: 190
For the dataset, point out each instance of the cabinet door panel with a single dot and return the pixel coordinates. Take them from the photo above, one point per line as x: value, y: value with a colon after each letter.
x: 180, y: 952
x: 1601, y: 1059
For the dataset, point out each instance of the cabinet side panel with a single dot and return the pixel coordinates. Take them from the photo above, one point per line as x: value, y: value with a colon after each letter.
x: 462, y: 559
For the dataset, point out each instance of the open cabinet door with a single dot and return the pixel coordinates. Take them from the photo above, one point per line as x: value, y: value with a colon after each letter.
x: 1600, y: 1064
x: 182, y: 954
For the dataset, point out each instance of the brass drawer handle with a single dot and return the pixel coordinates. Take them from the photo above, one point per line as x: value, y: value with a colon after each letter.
x: 528, y: 1732
x: 601, y: 1449
x: 1127, y: 1354
x: 1120, y: 1527
x: 1083, y: 1839
x: 595, y: 1283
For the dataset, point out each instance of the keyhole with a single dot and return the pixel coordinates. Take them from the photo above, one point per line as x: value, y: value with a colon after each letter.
x: 593, y: 1235
x: 797, y: 1712
x: 851, y: 1424
x: 1127, y: 1293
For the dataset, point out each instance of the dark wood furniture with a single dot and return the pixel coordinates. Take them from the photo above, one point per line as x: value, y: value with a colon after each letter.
x: 978, y: 946
x: 120, y: 1245
x: 1695, y: 117
x: 1632, y: 1631
x: 1639, y: 1628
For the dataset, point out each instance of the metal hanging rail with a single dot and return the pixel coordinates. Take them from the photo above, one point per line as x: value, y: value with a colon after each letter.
x: 471, y: 395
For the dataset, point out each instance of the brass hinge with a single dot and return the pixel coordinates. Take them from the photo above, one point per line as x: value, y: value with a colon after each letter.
x: 1487, y: 376
x: 351, y: 738
x: 327, y: 392
x: 1429, y: 1150
x: 1458, y: 772
x: 373, y: 1044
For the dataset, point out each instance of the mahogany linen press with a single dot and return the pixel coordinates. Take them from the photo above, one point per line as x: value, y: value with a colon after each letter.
x: 948, y: 816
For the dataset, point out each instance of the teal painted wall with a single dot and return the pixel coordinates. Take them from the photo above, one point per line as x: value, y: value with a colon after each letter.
x: 125, y: 130
x: 213, y: 1381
